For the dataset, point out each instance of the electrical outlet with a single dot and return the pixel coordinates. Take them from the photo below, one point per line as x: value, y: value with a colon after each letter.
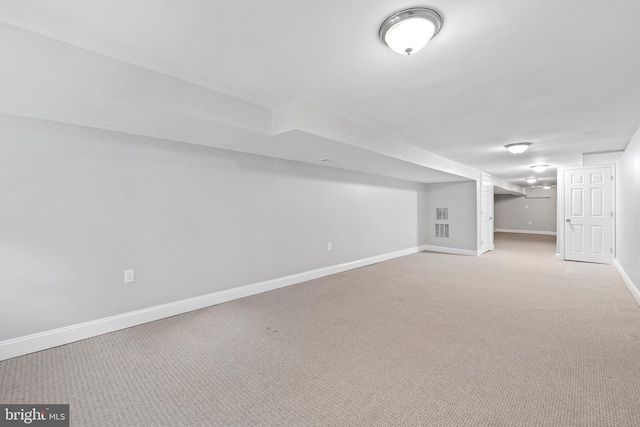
x: 329, y: 246
x: 128, y: 276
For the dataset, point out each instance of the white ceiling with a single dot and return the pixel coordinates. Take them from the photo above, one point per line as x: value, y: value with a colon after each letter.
x: 562, y: 74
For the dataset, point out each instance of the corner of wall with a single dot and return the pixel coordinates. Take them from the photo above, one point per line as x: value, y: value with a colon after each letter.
x: 627, y: 280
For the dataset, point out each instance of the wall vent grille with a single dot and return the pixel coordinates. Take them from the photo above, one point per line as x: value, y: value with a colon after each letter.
x: 442, y: 214
x: 442, y: 230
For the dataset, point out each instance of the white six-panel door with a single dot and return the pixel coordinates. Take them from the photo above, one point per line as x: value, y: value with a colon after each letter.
x: 588, y: 215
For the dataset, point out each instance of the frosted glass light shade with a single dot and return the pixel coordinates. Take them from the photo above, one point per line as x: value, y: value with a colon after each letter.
x: 518, y: 147
x: 409, y: 30
x: 546, y: 187
x: 407, y: 37
x: 539, y: 168
x: 531, y: 180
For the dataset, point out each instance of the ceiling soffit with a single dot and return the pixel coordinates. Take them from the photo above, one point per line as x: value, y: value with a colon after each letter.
x: 58, y: 82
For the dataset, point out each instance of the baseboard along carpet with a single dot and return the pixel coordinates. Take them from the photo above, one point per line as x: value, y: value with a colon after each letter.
x: 511, y: 338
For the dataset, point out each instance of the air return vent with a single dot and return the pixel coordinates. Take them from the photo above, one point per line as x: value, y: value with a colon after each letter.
x: 442, y: 214
x: 442, y: 230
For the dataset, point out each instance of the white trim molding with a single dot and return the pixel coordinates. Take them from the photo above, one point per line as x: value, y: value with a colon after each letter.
x: 447, y: 250
x: 505, y: 230
x: 68, y: 334
x: 627, y: 280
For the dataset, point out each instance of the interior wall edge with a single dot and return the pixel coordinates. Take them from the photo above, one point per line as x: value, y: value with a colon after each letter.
x: 627, y: 280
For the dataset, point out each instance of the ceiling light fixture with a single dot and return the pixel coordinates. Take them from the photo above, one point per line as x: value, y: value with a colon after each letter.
x: 546, y: 187
x: 409, y: 30
x: 539, y: 168
x: 518, y: 147
x: 531, y: 180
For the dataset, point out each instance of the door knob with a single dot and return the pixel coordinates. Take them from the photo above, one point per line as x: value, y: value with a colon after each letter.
x: 568, y: 219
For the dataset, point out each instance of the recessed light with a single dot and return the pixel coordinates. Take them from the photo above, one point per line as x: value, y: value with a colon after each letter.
x: 409, y: 30
x: 539, y: 168
x: 518, y: 147
x: 531, y: 179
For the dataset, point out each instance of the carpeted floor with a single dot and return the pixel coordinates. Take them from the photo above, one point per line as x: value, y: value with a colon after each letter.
x: 512, y: 338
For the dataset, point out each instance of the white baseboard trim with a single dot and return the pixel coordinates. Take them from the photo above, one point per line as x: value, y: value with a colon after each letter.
x: 68, y: 334
x: 627, y: 280
x: 505, y: 230
x: 491, y: 248
x: 559, y: 256
x: 446, y: 250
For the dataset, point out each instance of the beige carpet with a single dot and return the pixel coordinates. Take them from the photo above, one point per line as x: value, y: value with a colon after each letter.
x: 512, y: 338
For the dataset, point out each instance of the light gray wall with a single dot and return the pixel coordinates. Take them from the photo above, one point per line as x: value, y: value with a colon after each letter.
x: 79, y: 206
x: 600, y: 159
x: 537, y: 211
x: 628, y: 210
x: 461, y: 199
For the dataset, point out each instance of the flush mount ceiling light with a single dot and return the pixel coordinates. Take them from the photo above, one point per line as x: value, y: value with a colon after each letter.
x: 518, y: 147
x: 546, y: 187
x: 531, y: 180
x: 409, y: 30
x: 539, y: 168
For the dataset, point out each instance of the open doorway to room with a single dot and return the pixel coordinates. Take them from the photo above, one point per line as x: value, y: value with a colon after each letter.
x: 533, y: 213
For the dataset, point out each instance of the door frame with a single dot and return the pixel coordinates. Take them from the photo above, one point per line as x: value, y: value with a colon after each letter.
x: 560, y: 235
x: 486, y: 180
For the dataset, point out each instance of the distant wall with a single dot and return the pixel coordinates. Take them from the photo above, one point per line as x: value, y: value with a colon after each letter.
x: 461, y: 199
x: 535, y: 212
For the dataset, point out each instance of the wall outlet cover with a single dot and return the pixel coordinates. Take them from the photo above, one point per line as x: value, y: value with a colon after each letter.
x: 128, y: 276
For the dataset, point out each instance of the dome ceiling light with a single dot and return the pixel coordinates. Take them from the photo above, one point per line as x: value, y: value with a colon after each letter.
x: 531, y: 180
x: 539, y: 168
x: 518, y: 147
x: 409, y: 30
